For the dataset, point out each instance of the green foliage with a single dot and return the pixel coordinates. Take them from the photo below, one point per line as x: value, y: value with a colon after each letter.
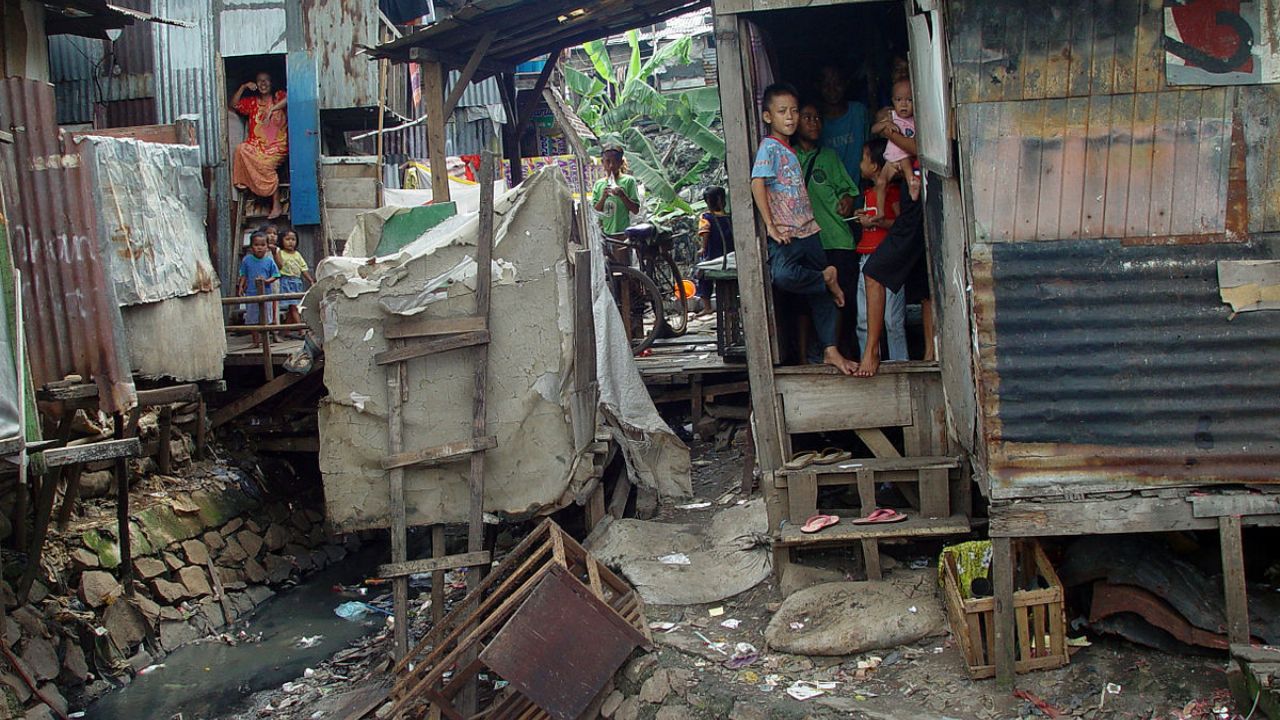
x: 615, y: 102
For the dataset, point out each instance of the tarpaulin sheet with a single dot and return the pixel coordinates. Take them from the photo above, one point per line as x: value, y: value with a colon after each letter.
x: 534, y: 468
x: 10, y: 414
x: 152, y: 207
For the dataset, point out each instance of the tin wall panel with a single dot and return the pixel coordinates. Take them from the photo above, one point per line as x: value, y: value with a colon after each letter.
x: 333, y: 30
x: 1118, y: 366
x: 186, y: 73
x: 73, y: 323
x: 252, y: 30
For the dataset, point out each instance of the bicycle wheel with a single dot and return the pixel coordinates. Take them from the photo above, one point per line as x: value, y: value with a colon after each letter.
x: 675, y: 296
x: 643, y: 318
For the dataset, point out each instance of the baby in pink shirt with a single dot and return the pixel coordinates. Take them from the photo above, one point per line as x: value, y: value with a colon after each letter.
x: 900, y: 130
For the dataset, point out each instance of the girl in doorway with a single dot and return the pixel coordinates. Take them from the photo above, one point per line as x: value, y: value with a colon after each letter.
x: 293, y: 270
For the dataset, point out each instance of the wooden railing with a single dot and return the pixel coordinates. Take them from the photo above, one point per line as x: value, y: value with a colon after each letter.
x: 263, y: 330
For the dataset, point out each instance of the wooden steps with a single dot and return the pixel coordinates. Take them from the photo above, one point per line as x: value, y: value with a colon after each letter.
x: 846, y: 532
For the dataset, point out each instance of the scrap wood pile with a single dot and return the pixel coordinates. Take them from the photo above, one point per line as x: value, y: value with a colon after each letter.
x: 550, y: 620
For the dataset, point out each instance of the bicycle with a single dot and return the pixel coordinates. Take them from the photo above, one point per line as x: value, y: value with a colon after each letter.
x: 653, y: 298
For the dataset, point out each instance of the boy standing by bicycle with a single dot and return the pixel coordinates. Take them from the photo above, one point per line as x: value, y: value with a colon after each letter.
x: 796, y: 257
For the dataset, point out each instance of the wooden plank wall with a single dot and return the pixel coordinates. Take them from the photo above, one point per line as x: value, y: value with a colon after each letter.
x: 1069, y: 130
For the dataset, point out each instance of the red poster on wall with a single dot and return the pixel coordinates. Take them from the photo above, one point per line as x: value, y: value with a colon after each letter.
x: 1221, y: 42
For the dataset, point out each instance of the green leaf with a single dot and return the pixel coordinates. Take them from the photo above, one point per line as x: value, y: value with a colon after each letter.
x: 646, y: 166
x: 581, y: 84
x: 599, y: 56
x: 677, y: 51
x: 700, y: 100
x: 633, y: 65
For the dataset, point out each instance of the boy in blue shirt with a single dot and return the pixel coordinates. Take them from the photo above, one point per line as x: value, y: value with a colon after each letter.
x: 796, y: 258
x: 258, y: 263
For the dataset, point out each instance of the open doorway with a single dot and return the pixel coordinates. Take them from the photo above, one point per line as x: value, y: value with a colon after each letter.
x: 252, y: 207
x: 862, y: 49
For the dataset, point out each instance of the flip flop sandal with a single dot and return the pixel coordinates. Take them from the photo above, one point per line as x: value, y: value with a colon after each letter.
x: 880, y: 515
x: 819, y: 522
x: 800, y: 461
x: 831, y: 456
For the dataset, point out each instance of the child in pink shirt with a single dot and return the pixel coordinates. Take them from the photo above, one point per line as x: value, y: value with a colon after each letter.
x: 900, y: 130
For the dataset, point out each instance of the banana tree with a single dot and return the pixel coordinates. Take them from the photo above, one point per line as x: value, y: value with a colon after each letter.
x: 617, y: 102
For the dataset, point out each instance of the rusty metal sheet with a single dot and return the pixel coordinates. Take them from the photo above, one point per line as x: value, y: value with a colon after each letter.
x: 333, y: 30
x: 561, y: 646
x: 73, y: 323
x: 1110, y: 366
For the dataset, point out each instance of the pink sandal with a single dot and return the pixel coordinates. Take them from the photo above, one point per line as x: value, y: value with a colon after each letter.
x: 819, y: 522
x: 881, y: 515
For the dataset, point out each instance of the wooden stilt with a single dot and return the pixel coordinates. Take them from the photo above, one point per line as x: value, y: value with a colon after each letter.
x: 1233, y: 580
x: 399, y: 520
x: 1005, y: 636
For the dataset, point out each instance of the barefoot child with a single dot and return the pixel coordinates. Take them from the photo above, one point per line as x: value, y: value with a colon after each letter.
x: 875, y: 228
x: 796, y: 258
x: 257, y: 264
x: 890, y: 266
x: 293, y: 269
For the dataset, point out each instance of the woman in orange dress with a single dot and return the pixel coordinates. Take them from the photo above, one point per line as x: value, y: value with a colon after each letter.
x: 254, y: 167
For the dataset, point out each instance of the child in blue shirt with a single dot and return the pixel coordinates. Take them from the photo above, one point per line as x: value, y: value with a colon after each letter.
x: 257, y: 264
x: 796, y: 259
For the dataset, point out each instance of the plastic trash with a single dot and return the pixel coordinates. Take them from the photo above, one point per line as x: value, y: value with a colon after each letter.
x: 731, y: 623
x: 352, y: 610
x: 675, y: 559
x: 804, y: 690
x: 150, y: 669
x: 308, y: 642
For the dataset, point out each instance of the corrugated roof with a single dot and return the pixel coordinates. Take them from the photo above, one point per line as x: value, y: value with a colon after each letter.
x: 527, y: 28
x: 73, y: 323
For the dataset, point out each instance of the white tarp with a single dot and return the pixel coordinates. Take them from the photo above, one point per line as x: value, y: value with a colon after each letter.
x: 152, y: 205
x: 534, y: 467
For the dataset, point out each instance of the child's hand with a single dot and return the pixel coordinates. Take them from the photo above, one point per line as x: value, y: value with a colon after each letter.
x: 844, y: 208
x: 772, y: 231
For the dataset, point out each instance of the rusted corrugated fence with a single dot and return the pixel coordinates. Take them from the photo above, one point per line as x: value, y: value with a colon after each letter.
x: 73, y: 323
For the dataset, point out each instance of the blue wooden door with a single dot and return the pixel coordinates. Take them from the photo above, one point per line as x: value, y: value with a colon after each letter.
x: 304, y: 138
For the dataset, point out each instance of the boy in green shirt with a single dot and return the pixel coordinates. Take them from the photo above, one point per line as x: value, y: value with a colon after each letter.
x: 616, y: 195
x: 833, y: 194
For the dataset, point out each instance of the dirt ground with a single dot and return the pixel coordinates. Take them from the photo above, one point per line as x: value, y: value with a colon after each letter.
x: 684, y: 677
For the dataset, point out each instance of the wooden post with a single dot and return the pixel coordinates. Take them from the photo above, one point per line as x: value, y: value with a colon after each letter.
x: 1233, y: 580
x: 163, y: 461
x: 267, y: 367
x: 71, y: 496
x: 437, y: 592
x: 1006, y: 639
x: 479, y: 420
x: 510, y: 133
x: 396, y: 378
x: 121, y: 472
x: 382, y: 122
x: 433, y: 100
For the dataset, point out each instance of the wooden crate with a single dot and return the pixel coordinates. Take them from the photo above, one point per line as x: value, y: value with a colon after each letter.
x: 548, y: 596
x: 1040, y: 616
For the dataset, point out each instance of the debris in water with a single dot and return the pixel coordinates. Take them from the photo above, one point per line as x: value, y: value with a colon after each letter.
x: 150, y: 669
x: 694, y: 506
x: 308, y: 642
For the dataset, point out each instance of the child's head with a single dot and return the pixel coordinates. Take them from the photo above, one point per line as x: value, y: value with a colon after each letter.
x: 884, y: 114
x: 902, y: 102
x: 611, y: 159
x: 781, y: 109
x: 872, y: 158
x: 901, y: 69
x: 258, y: 244
x: 832, y: 84
x: 810, y: 128
x: 289, y: 240
x: 715, y: 198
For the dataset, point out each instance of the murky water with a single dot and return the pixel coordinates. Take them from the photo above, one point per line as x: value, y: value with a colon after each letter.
x: 211, y: 679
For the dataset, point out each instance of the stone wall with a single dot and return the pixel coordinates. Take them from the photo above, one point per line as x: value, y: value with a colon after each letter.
x: 201, y: 561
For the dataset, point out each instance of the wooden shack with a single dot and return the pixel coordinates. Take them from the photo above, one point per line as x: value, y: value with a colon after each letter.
x: 1100, y: 219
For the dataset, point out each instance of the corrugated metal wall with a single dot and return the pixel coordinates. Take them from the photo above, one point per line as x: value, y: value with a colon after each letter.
x: 186, y: 72
x: 332, y: 30
x: 111, y: 84
x: 73, y: 322
x: 1100, y: 201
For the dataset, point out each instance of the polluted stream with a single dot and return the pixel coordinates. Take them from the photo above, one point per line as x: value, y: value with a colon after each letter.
x: 210, y: 678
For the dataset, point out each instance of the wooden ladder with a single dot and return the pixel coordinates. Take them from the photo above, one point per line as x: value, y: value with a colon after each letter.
x: 422, y: 338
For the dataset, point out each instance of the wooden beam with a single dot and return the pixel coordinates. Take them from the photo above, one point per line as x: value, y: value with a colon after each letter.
x: 1025, y: 518
x: 433, y: 99
x: 448, y: 562
x: 458, y: 60
x: 431, y: 327
x: 1233, y: 580
x: 468, y: 72
x: 1210, y: 506
x: 238, y: 407
x: 189, y: 392
x: 531, y: 99
x: 432, y: 347
x: 439, y: 454
x: 94, y: 452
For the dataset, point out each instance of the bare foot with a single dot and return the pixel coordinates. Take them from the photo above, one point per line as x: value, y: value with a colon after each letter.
x: 832, y: 357
x: 276, y: 211
x: 870, y: 362
x: 831, y: 277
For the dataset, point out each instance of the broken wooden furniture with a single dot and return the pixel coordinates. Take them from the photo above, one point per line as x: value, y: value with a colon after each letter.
x: 549, y: 619
x: 1040, y: 612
